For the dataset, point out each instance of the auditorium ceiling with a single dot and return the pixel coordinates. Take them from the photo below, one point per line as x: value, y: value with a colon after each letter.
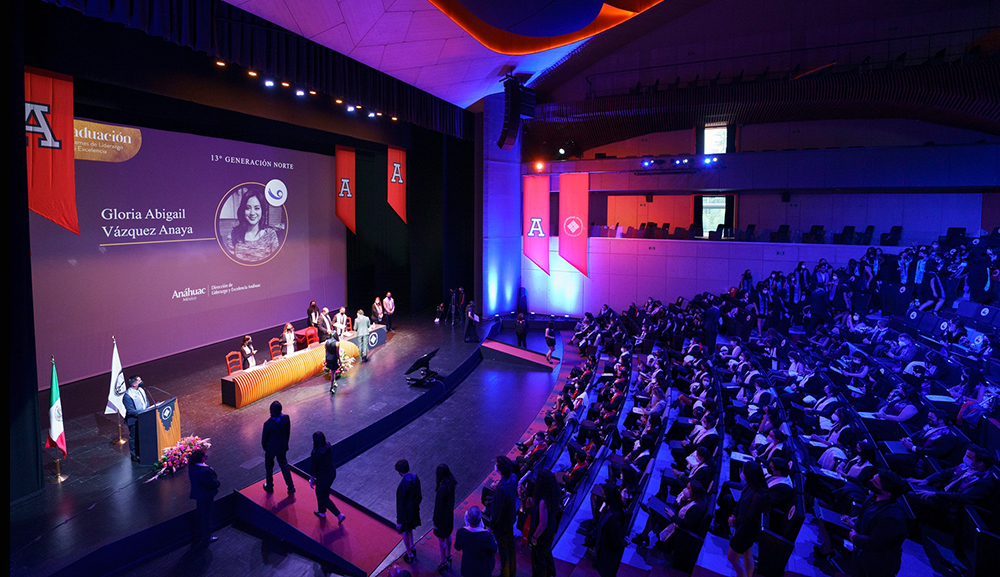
x: 458, y: 50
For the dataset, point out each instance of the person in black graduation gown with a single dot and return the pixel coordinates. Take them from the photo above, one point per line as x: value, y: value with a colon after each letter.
x: 471, y: 335
x: 204, y: 487
x: 408, y: 499
x: 611, y: 527
x: 324, y: 472
x: 444, y: 512
x: 274, y: 441
x: 521, y: 331
x: 477, y: 545
x: 502, y: 513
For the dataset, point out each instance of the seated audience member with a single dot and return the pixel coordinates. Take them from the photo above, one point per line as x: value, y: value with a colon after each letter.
x: 934, y: 440
x: 686, y: 513
x: 969, y: 483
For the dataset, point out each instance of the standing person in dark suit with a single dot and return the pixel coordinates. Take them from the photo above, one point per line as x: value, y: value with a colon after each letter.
x: 135, y: 400
x: 323, y: 474
x: 204, y: 487
x: 444, y: 512
x: 389, y: 305
x: 545, y: 516
x: 712, y: 317
x: 502, y: 512
x: 476, y: 544
x: 880, y: 529
x: 471, y: 336
x: 408, y: 499
x: 362, y: 324
x: 274, y: 441
x: 521, y: 331
x: 610, y: 542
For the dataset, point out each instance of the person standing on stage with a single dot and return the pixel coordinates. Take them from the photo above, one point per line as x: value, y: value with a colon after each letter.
x: 135, y: 400
x: 312, y: 314
x: 377, y: 311
x: 550, y: 340
x: 249, y: 361
x: 453, y: 306
x: 288, y: 339
x: 408, y: 499
x: 471, y: 318
x: 333, y: 361
x: 325, y: 326
x: 274, y: 441
x: 389, y: 308
x: 204, y: 487
x: 340, y: 321
x: 521, y: 331
x: 361, y: 325
x: 323, y: 474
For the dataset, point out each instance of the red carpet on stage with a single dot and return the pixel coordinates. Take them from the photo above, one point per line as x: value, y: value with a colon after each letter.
x: 363, y: 539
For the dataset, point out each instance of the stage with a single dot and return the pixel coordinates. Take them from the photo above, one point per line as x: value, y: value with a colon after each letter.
x: 107, y: 498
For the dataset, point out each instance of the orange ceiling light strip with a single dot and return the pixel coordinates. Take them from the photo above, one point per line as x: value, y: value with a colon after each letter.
x: 504, y: 42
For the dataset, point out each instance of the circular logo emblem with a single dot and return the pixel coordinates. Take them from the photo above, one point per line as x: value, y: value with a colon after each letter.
x: 913, y: 314
x: 902, y: 289
x: 120, y: 384
x: 975, y: 241
x: 167, y: 413
x: 943, y: 325
x: 275, y: 192
x: 58, y: 415
x: 573, y: 226
x: 372, y: 339
x: 984, y: 311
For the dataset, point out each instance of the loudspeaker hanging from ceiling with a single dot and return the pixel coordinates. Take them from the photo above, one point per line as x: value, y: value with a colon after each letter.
x: 519, y: 102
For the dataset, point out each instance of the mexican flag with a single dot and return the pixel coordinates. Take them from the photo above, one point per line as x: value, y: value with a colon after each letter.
x: 57, y: 436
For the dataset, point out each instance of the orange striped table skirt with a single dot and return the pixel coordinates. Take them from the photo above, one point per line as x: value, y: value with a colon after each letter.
x: 244, y: 387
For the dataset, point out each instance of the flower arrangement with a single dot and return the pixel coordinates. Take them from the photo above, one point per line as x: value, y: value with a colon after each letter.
x: 346, y: 361
x: 176, y: 458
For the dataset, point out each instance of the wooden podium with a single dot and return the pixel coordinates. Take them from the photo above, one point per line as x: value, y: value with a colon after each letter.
x: 159, y: 428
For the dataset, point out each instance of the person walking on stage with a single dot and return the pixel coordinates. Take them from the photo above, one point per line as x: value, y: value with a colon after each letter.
x: 323, y: 474
x: 550, y: 340
x: 408, y: 499
x: 333, y: 361
x: 361, y: 325
x: 274, y: 441
x: 204, y: 487
x: 444, y: 512
x: 389, y: 308
x: 471, y: 318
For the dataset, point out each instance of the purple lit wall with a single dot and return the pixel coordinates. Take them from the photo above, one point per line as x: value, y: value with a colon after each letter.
x: 152, y: 268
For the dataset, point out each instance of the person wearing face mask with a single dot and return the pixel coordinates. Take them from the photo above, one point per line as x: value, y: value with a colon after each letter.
x: 879, y: 530
x: 934, y: 440
x: 971, y: 483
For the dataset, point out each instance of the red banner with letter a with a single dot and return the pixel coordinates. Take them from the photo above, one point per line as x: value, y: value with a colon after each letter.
x: 574, y: 211
x: 397, y: 181
x: 48, y: 131
x: 536, y: 220
x: 345, y: 188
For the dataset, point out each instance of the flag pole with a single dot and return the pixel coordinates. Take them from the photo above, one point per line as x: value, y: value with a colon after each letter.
x: 57, y: 432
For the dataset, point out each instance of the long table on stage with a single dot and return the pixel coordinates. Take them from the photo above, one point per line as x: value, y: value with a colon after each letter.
x: 241, y: 388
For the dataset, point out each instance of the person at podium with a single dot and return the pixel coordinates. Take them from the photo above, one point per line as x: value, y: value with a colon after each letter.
x: 136, y: 401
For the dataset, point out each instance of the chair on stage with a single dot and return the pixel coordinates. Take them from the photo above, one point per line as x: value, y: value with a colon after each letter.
x: 234, y: 361
x: 275, y: 346
x: 312, y: 336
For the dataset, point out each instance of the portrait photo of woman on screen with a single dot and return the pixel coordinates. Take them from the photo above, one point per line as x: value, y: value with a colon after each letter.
x: 250, y: 230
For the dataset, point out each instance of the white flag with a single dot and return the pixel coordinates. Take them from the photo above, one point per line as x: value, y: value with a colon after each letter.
x: 115, y: 404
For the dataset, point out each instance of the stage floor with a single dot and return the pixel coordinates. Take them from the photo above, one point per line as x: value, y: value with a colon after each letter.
x: 107, y: 497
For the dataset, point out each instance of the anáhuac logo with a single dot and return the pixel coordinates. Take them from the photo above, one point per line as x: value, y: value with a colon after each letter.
x: 190, y: 293
x: 573, y: 226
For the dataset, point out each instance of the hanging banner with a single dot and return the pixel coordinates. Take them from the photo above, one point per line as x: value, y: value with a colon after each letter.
x: 48, y: 131
x: 535, y: 225
x: 345, y: 189
x: 574, y: 212
x: 397, y: 181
